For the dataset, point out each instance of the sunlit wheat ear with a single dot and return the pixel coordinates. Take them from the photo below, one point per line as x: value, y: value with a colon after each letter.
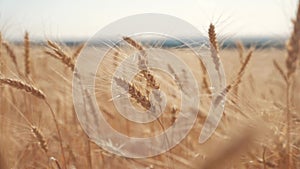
x: 243, y: 67
x: 134, y: 92
x: 293, y: 47
x: 143, y: 63
x: 241, y: 49
x: 214, y: 46
x: 40, y: 138
x: 11, y: 53
x: 239, y: 76
x: 58, y: 53
x: 27, y: 54
x: 77, y: 51
x: 23, y: 86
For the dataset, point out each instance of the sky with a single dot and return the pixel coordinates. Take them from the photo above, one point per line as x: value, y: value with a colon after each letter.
x: 81, y: 19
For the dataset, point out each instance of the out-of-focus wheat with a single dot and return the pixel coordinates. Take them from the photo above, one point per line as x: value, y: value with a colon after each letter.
x: 27, y: 54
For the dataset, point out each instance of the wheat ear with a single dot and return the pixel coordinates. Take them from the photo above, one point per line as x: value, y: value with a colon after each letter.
x: 40, y: 138
x: 39, y: 94
x: 12, y: 55
x: 77, y: 51
x: 58, y: 53
x: 27, y: 54
x: 293, y: 46
x: 134, y: 92
x: 142, y: 63
x: 291, y: 64
x: 23, y: 86
x: 214, y: 47
x: 241, y: 49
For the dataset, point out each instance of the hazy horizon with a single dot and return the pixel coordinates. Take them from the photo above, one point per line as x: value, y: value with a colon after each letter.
x: 67, y: 20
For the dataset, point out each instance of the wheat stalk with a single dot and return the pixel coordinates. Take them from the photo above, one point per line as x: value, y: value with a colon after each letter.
x: 291, y: 65
x: 281, y: 72
x: 39, y: 94
x: 27, y: 54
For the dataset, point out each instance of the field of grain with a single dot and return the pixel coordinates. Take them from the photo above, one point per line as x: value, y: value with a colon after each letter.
x: 259, y: 129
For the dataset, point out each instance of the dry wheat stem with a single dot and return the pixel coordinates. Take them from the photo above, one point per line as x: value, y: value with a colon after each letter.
x: 291, y: 65
x: 27, y: 54
x: 281, y: 72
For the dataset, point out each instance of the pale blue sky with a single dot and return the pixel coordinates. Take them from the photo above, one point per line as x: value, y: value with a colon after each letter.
x: 77, y: 19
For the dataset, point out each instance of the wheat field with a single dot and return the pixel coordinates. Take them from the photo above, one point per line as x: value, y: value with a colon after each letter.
x: 259, y: 129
